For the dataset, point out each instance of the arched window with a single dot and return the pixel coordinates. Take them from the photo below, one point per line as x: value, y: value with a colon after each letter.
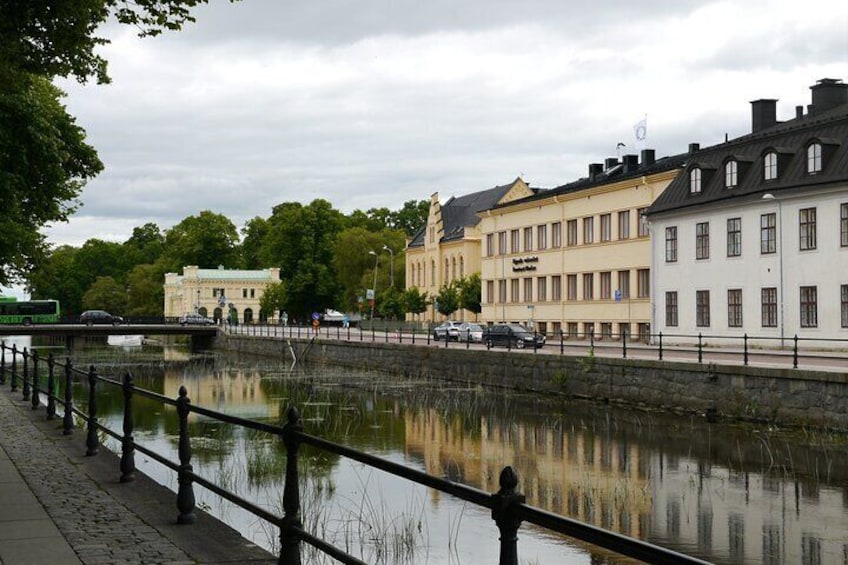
x: 432, y: 272
x: 453, y: 268
x: 770, y: 166
x: 447, y: 271
x: 731, y: 174
x: 461, y: 267
x: 814, y: 158
x: 695, y: 181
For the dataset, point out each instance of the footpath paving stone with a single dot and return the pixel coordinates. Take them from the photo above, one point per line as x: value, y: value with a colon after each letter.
x: 58, y: 506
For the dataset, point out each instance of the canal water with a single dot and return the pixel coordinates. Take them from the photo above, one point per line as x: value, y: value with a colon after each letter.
x: 728, y: 493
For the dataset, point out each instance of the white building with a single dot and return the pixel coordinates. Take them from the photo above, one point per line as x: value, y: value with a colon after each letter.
x: 752, y: 237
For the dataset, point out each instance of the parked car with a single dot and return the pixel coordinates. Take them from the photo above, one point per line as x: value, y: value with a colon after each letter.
x: 512, y: 335
x: 91, y: 317
x: 195, y: 320
x: 449, y: 329
x: 471, y: 332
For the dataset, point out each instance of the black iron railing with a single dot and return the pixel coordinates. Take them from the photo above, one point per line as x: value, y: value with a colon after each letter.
x: 507, y: 506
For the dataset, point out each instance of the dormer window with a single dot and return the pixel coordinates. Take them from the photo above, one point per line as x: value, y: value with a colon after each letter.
x: 731, y: 174
x: 695, y: 181
x: 814, y: 158
x: 770, y: 166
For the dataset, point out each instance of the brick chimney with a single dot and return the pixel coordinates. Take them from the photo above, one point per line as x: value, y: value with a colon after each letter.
x: 828, y: 93
x: 763, y: 114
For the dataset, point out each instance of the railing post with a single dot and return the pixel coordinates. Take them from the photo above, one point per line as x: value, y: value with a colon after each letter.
x: 127, y: 445
x: 661, y: 351
x: 745, y: 343
x: 2, y: 362
x: 68, y: 417
x: 795, y: 353
x: 36, y: 401
x: 51, y: 388
x: 289, y: 538
x: 624, y: 345
x: 185, y: 494
x: 561, y: 343
x: 26, y: 390
x: 14, y: 383
x: 505, y: 516
x: 373, y: 332
x: 700, y: 348
x: 387, y: 334
x: 592, y: 341
x: 91, y: 442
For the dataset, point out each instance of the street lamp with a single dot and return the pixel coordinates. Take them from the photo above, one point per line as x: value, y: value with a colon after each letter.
x: 391, y: 265
x: 374, y: 285
x: 769, y: 196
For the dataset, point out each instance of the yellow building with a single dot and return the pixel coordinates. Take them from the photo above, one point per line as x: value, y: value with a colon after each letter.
x: 218, y: 293
x: 448, y: 247
x: 576, y: 258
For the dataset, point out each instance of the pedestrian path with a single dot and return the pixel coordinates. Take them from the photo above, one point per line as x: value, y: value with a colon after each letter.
x: 59, y: 507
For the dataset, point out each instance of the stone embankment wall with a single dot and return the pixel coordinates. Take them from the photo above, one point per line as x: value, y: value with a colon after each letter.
x: 785, y: 396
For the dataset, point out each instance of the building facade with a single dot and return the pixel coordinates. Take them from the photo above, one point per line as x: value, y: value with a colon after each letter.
x: 221, y: 294
x: 447, y: 248
x: 752, y: 238
x: 576, y: 259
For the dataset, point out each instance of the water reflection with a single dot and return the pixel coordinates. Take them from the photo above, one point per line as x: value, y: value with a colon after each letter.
x: 730, y: 494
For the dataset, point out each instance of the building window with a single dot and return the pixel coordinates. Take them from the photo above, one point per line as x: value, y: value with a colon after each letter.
x: 695, y: 181
x: 502, y: 291
x: 490, y: 292
x: 528, y: 289
x: 446, y: 272
x: 253, y: 293
x: 643, y: 222
x: 807, y: 228
x: 702, y: 240
x: 528, y: 239
x: 556, y: 329
x: 624, y: 283
x: 542, y: 289
x: 606, y: 227
x: 571, y: 287
x: 606, y: 330
x: 433, y: 272
x: 624, y: 225
x: 514, y: 241
x: 572, y: 329
x: 461, y: 267
x: 768, y: 233
x: 844, y: 294
x: 702, y: 308
x: 809, y: 307
x: 589, y: 230
x: 734, y: 237
x: 671, y: 244
x: 843, y: 224
x: 571, y: 226
x: 556, y: 287
x: 671, y: 309
x: 814, y: 158
x: 542, y: 237
x: 502, y: 243
x: 490, y: 244
x: 734, y: 308
x: 514, y: 290
x: 556, y: 235
x: 731, y: 174
x: 768, y: 301
x: 606, y: 285
x: 588, y: 286
x: 770, y: 166
x: 643, y: 283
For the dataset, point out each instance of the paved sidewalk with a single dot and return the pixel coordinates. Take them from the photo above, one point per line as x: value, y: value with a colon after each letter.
x: 59, y: 507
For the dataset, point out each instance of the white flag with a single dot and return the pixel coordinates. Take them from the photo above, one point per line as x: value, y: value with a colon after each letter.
x: 640, y: 130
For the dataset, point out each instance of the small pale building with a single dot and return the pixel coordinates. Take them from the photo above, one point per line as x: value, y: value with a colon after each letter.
x: 218, y: 293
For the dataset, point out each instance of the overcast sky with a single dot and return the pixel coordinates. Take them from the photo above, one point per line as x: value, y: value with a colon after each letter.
x: 371, y: 104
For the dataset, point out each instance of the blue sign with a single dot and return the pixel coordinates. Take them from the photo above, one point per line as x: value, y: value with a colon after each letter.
x: 316, y: 315
x: 618, y: 295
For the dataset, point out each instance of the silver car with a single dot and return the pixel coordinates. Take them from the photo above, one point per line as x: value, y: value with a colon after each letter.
x: 449, y: 329
x: 469, y: 331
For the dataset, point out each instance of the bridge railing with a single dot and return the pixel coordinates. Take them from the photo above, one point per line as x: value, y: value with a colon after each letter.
x: 507, y: 506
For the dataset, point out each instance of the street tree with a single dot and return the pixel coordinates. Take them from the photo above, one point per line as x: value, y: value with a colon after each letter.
x: 447, y: 300
x: 470, y: 294
x: 105, y: 294
x: 274, y: 299
x: 390, y: 303
x: 415, y: 302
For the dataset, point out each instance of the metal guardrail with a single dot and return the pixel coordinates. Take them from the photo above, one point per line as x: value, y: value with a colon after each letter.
x: 507, y: 506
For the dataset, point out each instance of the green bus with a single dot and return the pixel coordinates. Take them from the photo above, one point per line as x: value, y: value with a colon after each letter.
x: 28, y: 312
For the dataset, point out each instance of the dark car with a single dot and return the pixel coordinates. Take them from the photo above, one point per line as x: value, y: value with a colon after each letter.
x: 195, y: 320
x: 511, y: 335
x: 91, y: 317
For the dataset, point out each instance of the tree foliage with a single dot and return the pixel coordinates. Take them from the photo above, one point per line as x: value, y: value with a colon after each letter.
x: 470, y: 293
x: 447, y: 300
x: 105, y: 294
x: 206, y: 240
x: 274, y: 299
x: 415, y: 302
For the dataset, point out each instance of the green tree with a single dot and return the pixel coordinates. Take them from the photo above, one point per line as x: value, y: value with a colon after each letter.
x: 447, y: 300
x: 146, y: 291
x: 145, y: 245
x: 390, y: 303
x: 57, y: 277
x: 105, y: 294
x: 44, y: 163
x: 415, y: 302
x: 274, y: 299
x: 253, y: 234
x: 470, y: 294
x: 206, y: 240
x: 411, y: 217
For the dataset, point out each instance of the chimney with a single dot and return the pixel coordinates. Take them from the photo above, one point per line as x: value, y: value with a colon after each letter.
x: 799, y: 111
x: 648, y: 157
x: 828, y: 93
x: 610, y: 162
x: 595, y: 169
x: 631, y: 163
x: 694, y: 147
x: 763, y: 114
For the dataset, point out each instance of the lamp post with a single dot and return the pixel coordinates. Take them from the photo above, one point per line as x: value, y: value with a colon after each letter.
x: 391, y: 265
x: 779, y: 242
x: 374, y: 285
